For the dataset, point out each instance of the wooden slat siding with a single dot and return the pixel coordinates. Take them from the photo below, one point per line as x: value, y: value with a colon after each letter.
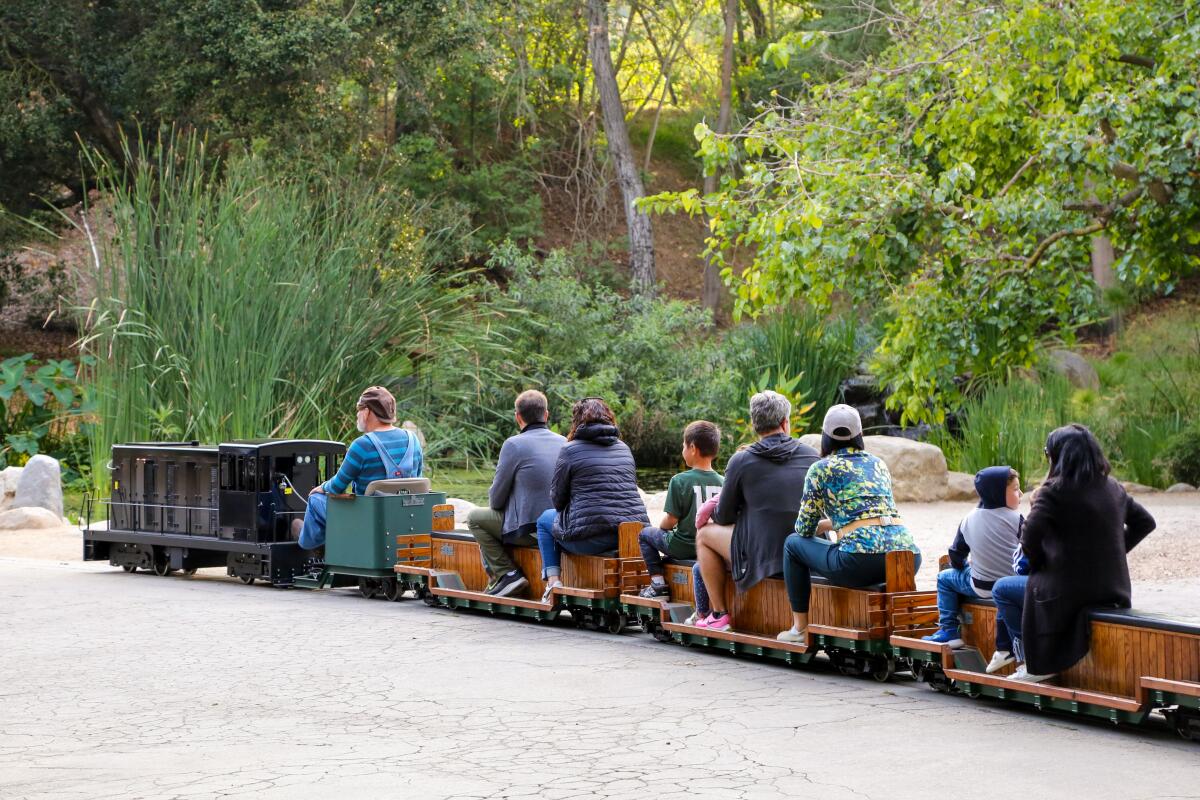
x: 633, y: 575
x: 1179, y: 687
x: 529, y: 560
x: 414, y: 548
x: 443, y: 517
x: 682, y: 591
x: 981, y: 632
x: 627, y: 539
x: 901, y: 571
x: 453, y: 555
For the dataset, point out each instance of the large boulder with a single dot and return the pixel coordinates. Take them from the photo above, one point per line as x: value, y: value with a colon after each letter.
x: 919, y: 473
x: 960, y: 486
x: 29, y: 518
x: 1075, y: 368
x: 40, y: 485
x: 461, y: 509
x: 9, y: 477
x: 409, y: 425
x: 1176, y: 488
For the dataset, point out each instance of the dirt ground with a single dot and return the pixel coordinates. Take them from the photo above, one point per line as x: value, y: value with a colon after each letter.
x: 1165, y: 568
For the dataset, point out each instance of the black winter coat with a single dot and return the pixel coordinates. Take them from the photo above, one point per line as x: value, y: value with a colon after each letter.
x: 1076, y: 541
x: 764, y: 485
x: 595, y: 486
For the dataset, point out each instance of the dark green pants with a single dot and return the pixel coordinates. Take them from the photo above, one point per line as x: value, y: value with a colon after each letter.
x: 486, y: 526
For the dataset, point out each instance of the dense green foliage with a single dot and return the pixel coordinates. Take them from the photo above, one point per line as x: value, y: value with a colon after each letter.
x: 251, y: 303
x: 952, y: 183
x: 44, y: 409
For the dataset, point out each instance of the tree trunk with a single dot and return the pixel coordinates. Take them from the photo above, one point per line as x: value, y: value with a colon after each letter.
x: 612, y: 111
x: 1105, y: 276
x: 712, y: 276
x: 757, y: 19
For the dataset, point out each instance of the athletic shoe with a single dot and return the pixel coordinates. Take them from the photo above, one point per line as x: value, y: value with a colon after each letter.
x: 714, y: 623
x: 1000, y: 660
x: 654, y: 590
x: 695, y: 618
x: 946, y: 637
x: 1025, y: 676
x: 792, y: 636
x: 509, y: 583
x: 491, y: 586
x: 548, y: 595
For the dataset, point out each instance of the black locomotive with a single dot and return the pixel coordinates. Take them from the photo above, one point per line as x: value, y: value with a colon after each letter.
x: 185, y: 506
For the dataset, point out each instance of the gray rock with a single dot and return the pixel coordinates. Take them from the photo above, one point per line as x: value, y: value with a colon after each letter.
x: 1075, y: 368
x: 29, y: 518
x: 461, y: 509
x: 1138, y: 488
x: 961, y: 486
x: 9, y: 477
x: 40, y: 485
x: 1175, y: 488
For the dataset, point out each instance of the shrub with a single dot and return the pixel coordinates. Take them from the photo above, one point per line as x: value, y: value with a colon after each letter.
x: 1181, y: 460
x: 41, y: 408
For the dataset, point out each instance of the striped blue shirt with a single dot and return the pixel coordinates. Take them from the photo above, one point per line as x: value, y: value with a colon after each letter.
x: 363, y: 464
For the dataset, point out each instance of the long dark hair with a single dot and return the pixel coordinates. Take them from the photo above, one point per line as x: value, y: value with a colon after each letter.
x: 830, y: 444
x: 1076, y: 459
x: 588, y: 410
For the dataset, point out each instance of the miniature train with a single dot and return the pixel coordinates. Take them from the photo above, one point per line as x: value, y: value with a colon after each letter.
x: 400, y: 538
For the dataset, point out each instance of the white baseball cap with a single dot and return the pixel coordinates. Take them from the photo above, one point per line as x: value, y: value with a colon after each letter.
x: 842, y: 423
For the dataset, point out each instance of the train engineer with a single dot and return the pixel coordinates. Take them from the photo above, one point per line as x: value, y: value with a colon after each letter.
x: 383, y: 451
x: 853, y: 489
x: 981, y: 554
x: 520, y: 492
x: 675, y: 535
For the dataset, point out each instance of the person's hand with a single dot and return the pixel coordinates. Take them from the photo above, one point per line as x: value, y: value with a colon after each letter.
x: 318, y: 489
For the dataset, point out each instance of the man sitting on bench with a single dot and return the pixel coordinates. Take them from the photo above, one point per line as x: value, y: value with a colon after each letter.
x: 382, y: 452
x: 520, y: 492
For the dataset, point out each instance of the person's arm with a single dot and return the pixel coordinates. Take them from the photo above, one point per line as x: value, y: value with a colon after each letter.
x: 560, y: 486
x: 812, y: 507
x: 730, y: 501
x: 349, y: 470
x: 959, y: 550
x: 1040, y: 521
x: 1138, y: 523
x: 502, y: 482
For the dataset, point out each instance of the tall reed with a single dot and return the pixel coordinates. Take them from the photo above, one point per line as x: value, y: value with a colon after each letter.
x: 233, y: 303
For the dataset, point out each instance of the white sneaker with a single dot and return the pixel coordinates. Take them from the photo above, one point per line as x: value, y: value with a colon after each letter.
x: 549, y: 593
x: 793, y: 636
x: 694, y: 618
x: 1000, y: 660
x: 1025, y: 676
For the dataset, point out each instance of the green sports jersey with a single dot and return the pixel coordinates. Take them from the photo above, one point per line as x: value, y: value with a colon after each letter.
x: 685, y: 494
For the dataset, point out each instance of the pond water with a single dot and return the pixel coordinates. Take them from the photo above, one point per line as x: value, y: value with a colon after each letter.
x: 472, y: 484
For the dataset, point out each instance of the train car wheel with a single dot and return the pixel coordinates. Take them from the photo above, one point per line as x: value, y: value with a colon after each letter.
x: 367, y: 587
x: 392, y: 590
x: 615, y: 622
x: 129, y: 567
x: 883, y: 669
x: 661, y: 635
x: 162, y: 565
x: 246, y: 579
x: 190, y: 571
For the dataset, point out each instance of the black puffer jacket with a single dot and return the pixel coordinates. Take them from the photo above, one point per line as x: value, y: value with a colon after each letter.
x: 595, y: 486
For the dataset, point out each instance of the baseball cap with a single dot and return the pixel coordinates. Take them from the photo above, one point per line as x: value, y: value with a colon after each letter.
x: 379, y: 401
x: 842, y: 423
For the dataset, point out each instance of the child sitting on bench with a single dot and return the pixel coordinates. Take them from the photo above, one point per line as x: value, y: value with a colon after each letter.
x: 981, y: 555
x: 675, y: 535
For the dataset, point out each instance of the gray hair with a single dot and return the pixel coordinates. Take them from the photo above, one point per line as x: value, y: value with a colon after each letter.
x: 768, y: 410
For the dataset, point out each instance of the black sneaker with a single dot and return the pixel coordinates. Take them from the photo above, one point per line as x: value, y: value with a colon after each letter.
x: 509, y: 583
x: 655, y: 590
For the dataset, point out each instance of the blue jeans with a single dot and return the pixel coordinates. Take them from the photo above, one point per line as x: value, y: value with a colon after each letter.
x: 952, y: 586
x: 700, y: 591
x: 804, y: 555
x: 1009, y: 595
x: 552, y: 548
x: 653, y: 543
x: 312, y: 535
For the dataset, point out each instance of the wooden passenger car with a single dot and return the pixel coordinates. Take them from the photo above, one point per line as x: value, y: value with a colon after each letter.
x: 1137, y: 663
x: 852, y: 626
x: 455, y: 578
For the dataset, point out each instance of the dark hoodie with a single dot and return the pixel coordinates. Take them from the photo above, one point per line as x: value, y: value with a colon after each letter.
x: 763, y: 487
x: 989, y: 533
x: 595, y: 486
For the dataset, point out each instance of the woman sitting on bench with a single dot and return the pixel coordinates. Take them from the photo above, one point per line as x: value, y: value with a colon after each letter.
x: 853, y: 489
x: 1081, y: 525
x: 594, y: 490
